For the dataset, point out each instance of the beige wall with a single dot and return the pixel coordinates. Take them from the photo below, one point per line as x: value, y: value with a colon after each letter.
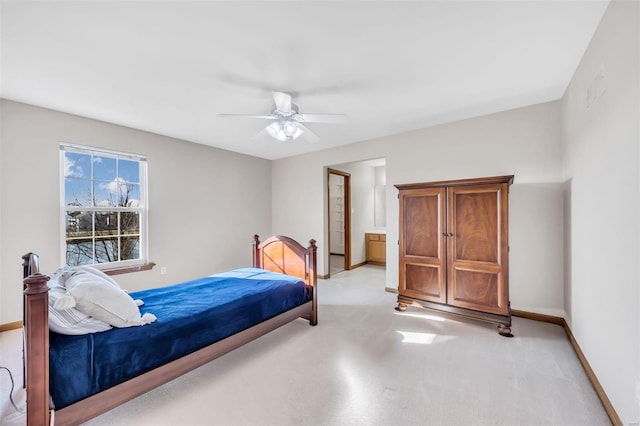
x: 601, y: 155
x: 205, y: 204
x: 2, y: 292
x: 524, y: 142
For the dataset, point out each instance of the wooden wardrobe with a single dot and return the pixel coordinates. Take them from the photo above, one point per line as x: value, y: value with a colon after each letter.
x: 454, y: 248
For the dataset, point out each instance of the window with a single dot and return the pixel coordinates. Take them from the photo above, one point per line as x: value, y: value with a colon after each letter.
x: 104, y: 207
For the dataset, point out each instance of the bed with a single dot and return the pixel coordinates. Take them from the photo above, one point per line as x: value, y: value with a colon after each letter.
x: 115, y: 366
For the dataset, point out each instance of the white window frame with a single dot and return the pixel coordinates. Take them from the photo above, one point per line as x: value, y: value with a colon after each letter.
x: 141, y: 209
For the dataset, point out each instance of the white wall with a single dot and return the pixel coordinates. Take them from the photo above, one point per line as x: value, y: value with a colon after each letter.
x: 205, y: 204
x: 3, y: 296
x: 536, y: 213
x: 380, y: 199
x: 524, y: 142
x: 601, y: 168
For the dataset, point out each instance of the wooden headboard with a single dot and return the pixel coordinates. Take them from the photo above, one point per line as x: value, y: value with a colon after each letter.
x: 286, y: 256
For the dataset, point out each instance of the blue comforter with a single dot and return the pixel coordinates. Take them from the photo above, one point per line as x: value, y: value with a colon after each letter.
x: 190, y: 315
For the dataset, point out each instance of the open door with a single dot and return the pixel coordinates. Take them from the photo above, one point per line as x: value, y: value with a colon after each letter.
x: 339, y: 220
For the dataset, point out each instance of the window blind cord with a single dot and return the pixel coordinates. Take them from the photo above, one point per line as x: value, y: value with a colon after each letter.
x: 11, y: 392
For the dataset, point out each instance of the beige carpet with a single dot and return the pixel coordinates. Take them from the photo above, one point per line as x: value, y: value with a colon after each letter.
x: 366, y: 364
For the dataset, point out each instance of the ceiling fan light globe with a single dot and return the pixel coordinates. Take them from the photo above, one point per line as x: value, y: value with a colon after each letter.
x: 290, y: 128
x: 273, y: 129
x: 276, y: 131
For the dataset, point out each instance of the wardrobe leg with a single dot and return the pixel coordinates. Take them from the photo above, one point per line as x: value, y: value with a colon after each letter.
x: 401, y: 307
x: 504, y: 330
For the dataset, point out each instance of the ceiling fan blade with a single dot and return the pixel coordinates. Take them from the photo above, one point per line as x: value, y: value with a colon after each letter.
x: 283, y: 102
x: 322, y: 118
x: 266, y: 117
x: 261, y: 135
x: 308, y: 134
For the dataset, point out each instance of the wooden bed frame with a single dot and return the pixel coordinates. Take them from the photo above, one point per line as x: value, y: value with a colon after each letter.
x: 277, y: 254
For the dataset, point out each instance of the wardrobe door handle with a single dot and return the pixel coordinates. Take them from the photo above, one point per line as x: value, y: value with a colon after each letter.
x: 450, y: 234
x: 444, y: 234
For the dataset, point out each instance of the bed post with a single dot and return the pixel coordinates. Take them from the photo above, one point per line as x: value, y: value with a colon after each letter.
x: 256, y: 251
x: 29, y: 266
x: 313, y: 281
x: 36, y: 300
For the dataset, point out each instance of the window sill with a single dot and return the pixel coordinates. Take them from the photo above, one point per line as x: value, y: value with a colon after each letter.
x: 128, y: 269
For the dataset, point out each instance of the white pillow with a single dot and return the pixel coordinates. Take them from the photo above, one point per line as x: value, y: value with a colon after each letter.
x: 92, y: 295
x: 101, y: 275
x: 65, y: 272
x: 71, y: 321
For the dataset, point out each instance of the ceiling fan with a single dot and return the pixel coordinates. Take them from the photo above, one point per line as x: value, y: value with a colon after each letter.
x: 288, y: 122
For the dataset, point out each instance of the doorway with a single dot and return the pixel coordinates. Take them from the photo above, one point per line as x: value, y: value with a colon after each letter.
x: 339, y: 218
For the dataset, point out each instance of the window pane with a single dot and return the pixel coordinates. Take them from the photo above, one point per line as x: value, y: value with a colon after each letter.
x: 106, y: 223
x: 106, y: 250
x: 77, y: 165
x: 130, y: 195
x: 79, y: 224
x: 130, y: 223
x: 104, y: 168
x: 129, y: 170
x: 105, y: 193
x: 79, y: 238
x: 130, y: 248
x: 77, y: 192
x: 79, y: 252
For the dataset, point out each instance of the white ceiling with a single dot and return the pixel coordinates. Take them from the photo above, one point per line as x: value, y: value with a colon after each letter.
x: 170, y: 67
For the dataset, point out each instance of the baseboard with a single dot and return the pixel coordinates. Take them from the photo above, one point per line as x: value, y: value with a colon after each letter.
x: 538, y: 317
x: 357, y: 265
x: 608, y: 407
x: 391, y: 290
x: 10, y: 326
x: 604, y: 399
x: 352, y: 267
x: 559, y: 313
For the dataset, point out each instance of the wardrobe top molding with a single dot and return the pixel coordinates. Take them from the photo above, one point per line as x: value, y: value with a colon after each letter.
x: 508, y: 179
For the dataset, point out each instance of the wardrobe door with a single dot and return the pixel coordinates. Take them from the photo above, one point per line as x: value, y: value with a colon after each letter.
x: 422, y: 244
x: 477, y: 247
